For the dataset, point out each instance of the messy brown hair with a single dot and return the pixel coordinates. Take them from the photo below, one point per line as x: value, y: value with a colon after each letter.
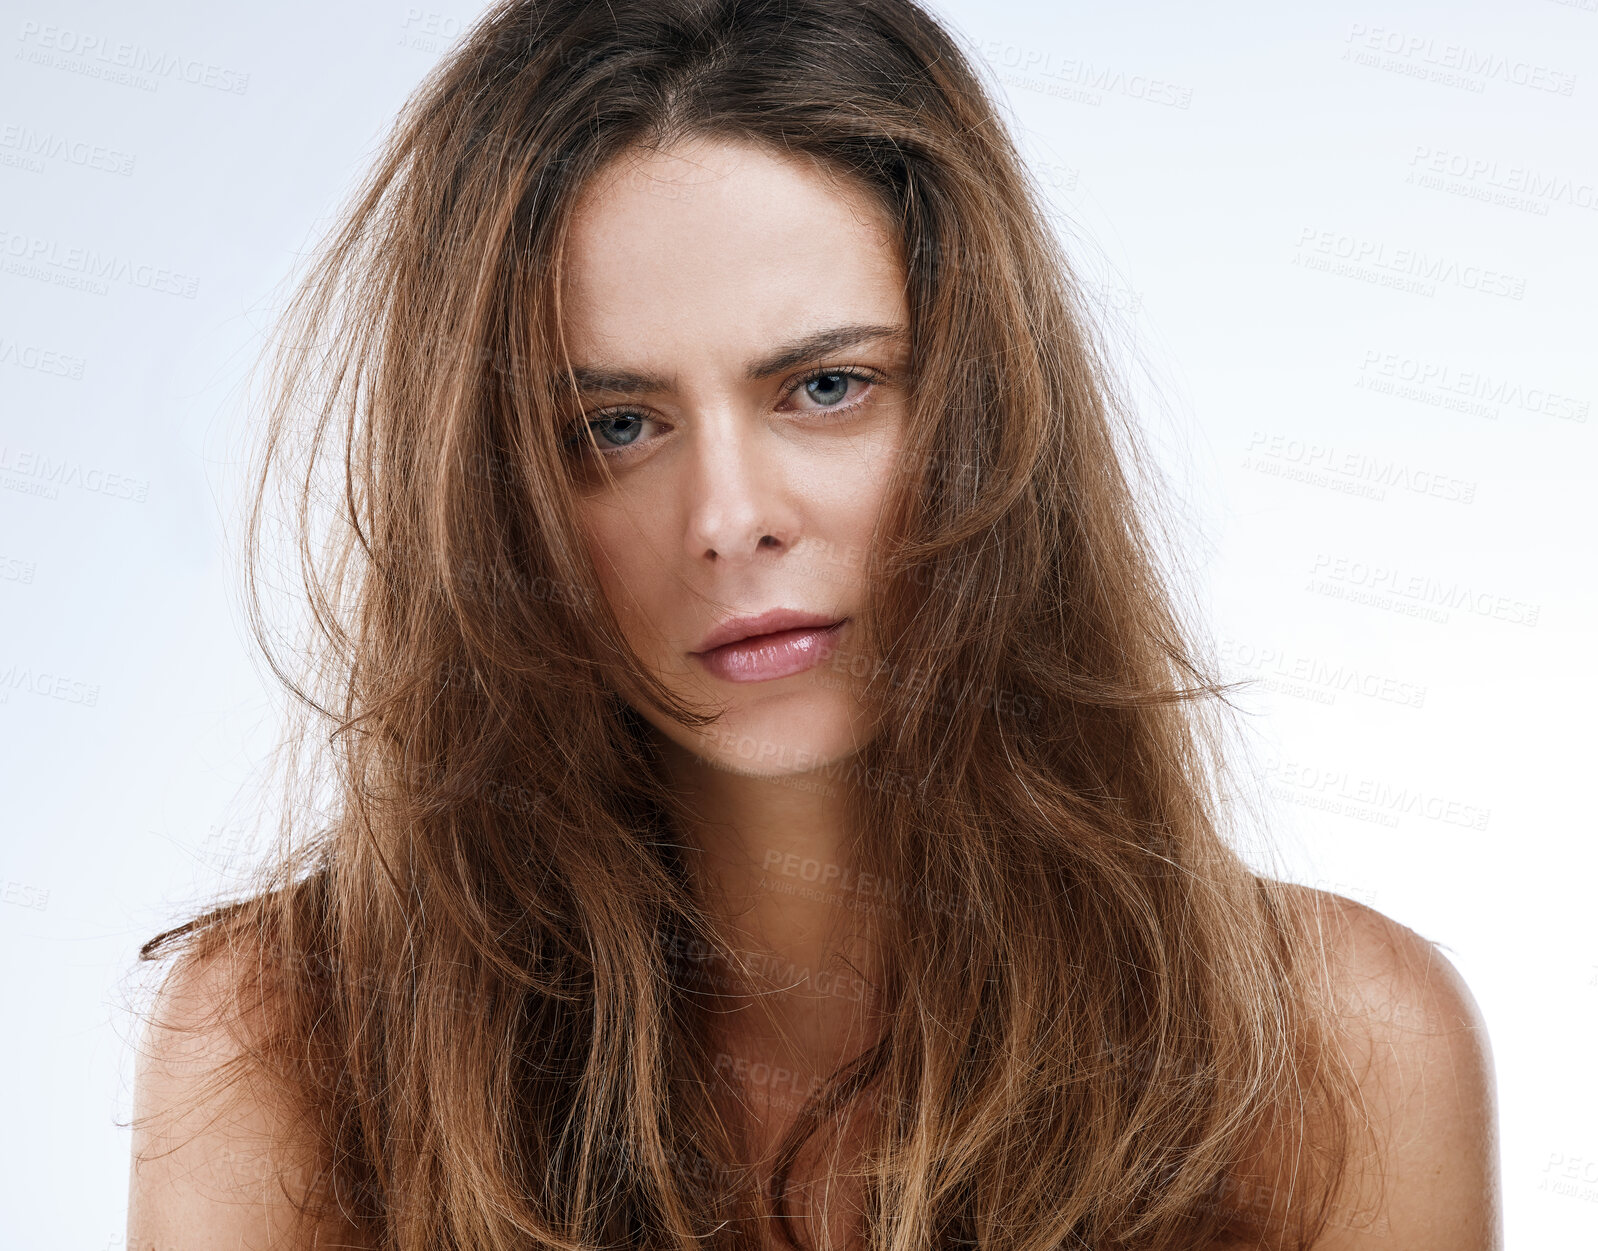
x: 476, y: 949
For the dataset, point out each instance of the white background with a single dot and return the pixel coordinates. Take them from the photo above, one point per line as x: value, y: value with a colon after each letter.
x: 1352, y: 243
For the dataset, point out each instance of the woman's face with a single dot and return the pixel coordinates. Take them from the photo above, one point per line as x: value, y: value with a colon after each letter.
x: 740, y: 326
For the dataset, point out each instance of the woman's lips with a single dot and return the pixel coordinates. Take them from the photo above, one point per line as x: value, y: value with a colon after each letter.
x: 767, y: 656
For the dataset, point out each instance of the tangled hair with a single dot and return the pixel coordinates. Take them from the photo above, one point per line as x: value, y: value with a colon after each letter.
x: 473, y: 969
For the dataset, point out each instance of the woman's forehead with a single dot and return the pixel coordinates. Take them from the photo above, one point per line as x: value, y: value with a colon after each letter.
x: 746, y: 240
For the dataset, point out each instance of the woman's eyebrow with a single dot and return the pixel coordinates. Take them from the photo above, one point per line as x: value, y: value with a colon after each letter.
x: 822, y: 343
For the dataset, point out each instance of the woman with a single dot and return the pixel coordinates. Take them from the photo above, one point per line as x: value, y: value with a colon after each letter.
x: 776, y: 797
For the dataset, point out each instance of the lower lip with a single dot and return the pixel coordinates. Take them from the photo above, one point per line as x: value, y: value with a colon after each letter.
x: 768, y: 656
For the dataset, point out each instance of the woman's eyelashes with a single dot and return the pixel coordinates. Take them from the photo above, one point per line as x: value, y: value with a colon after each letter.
x: 612, y: 433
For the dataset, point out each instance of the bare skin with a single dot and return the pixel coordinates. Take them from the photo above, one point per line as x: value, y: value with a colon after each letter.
x: 739, y: 494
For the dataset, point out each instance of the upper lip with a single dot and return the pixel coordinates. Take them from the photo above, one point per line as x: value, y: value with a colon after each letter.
x: 735, y: 629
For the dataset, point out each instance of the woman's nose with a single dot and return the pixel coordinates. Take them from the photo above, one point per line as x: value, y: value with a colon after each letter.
x: 738, y: 500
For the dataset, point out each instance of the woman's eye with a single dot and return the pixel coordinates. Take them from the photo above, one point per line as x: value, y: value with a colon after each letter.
x: 828, y: 387
x: 613, y: 433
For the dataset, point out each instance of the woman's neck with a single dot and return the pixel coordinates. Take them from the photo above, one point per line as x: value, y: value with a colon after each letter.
x: 771, y: 861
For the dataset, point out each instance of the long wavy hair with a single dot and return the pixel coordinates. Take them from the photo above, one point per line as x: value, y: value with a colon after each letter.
x: 476, y: 962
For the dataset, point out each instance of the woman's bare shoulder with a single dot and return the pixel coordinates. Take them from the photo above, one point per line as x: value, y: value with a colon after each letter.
x: 215, y: 1161
x: 1391, y: 982
x: 1418, y: 1044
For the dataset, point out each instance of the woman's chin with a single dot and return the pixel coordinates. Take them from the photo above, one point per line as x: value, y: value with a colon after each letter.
x: 777, y: 747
